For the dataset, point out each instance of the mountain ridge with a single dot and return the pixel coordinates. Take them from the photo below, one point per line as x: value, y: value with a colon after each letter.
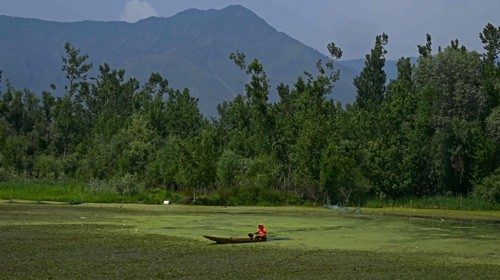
x: 190, y: 49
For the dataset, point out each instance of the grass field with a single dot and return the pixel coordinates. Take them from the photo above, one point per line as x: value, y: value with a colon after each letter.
x: 40, y: 241
x: 74, y: 193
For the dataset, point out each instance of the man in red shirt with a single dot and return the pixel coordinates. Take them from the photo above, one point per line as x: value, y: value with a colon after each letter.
x: 261, y: 232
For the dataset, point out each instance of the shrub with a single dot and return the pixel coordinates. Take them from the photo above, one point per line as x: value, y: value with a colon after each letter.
x: 155, y: 196
x: 7, y: 174
x: 47, y: 167
x: 69, y: 165
x: 14, y: 153
x: 489, y: 188
x: 263, y: 172
x: 213, y: 200
x: 230, y: 167
x: 127, y: 185
x: 75, y: 201
x: 163, y: 167
x: 96, y: 186
x: 259, y: 196
x: 341, y: 178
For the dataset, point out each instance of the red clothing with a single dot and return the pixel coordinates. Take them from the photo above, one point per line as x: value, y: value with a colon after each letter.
x: 262, y: 231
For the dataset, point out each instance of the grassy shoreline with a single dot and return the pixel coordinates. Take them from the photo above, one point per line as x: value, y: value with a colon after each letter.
x: 77, y: 193
x: 466, y: 215
x: 490, y: 215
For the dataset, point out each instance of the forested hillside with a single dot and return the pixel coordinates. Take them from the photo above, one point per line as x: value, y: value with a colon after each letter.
x: 433, y: 131
x: 191, y: 49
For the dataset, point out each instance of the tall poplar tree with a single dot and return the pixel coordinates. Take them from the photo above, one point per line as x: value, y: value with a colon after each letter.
x: 370, y: 83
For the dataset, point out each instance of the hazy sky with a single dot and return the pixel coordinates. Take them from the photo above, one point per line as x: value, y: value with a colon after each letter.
x: 352, y: 24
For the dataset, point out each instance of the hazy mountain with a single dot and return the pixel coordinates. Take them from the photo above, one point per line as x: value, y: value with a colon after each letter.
x: 190, y: 49
x: 390, y: 66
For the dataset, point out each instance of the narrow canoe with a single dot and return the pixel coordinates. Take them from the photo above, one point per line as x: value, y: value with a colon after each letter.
x: 226, y: 240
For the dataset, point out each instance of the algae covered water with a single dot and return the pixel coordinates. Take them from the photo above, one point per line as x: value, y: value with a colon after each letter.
x: 149, y: 241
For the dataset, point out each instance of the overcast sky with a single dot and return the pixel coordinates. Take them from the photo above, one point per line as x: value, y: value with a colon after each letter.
x: 352, y: 24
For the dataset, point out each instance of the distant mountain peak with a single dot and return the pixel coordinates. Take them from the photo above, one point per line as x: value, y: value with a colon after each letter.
x: 188, y: 12
x: 151, y: 19
x: 238, y: 8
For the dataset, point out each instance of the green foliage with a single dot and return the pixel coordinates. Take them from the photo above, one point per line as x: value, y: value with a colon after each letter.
x: 48, y: 167
x: 426, y: 49
x: 69, y: 113
x: 234, y: 126
x: 230, y: 168
x: 493, y: 124
x: 126, y: 185
x: 370, y: 83
x: 68, y: 128
x: 260, y: 121
x: 490, y: 37
x: 262, y: 196
x: 431, y: 132
x: 489, y: 188
x: 262, y: 173
x: 183, y: 117
x: 75, y: 68
x: 341, y: 178
x: 164, y: 166
x: 456, y: 107
x: 197, y: 161
x: 135, y: 145
x: 15, y: 154
x: 250, y: 196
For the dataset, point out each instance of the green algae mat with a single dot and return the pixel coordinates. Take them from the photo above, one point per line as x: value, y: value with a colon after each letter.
x: 112, y: 241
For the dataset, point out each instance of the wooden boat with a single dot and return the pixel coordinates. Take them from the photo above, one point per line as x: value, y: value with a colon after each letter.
x: 227, y: 240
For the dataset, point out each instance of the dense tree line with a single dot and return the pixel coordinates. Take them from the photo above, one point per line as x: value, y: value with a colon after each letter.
x: 434, y: 130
